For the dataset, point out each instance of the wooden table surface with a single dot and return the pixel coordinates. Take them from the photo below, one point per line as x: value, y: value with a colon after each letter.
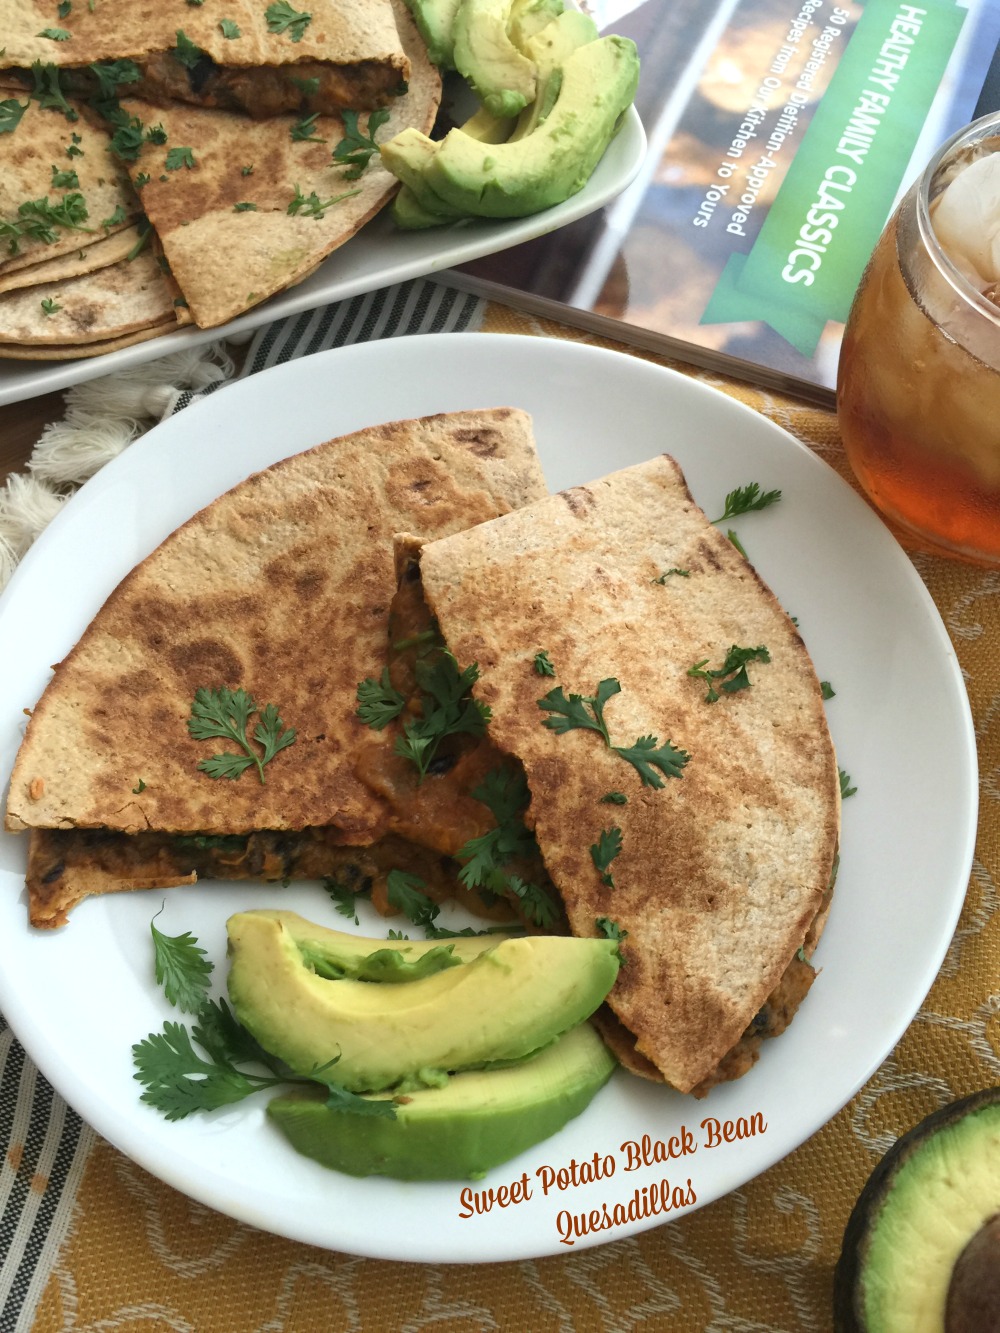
x: 20, y: 426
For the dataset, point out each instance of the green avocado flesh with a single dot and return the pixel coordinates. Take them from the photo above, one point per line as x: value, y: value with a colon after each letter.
x: 502, y: 1003
x: 473, y: 1123
x: 550, y: 155
x: 930, y: 1195
x: 502, y: 76
x: 435, y: 20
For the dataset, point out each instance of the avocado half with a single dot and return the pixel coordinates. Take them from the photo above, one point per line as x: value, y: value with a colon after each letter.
x: 921, y: 1250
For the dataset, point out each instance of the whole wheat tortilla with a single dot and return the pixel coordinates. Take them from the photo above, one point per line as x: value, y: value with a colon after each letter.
x: 42, y: 144
x: 721, y: 872
x: 282, y: 588
x: 113, y: 302
x: 341, y: 32
x: 89, y: 258
x: 80, y: 351
x: 224, y: 223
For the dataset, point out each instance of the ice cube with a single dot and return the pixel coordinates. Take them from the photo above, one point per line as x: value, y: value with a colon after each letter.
x: 966, y: 220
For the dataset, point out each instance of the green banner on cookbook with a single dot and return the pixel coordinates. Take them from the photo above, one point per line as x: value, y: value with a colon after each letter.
x: 807, y: 260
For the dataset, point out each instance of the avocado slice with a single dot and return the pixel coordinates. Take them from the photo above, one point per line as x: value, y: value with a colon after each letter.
x: 523, y: 176
x: 407, y: 155
x: 503, y: 1004
x: 921, y: 1250
x: 473, y: 1123
x: 409, y: 214
x: 435, y: 20
x: 502, y: 76
x: 529, y: 17
x: 549, y: 48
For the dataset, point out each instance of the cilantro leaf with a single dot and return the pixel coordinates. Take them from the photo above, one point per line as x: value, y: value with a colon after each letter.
x: 536, y: 903
x: 185, y: 52
x: 827, y: 690
x: 281, y: 17
x: 447, y: 709
x: 312, y: 206
x: 406, y: 895
x: 610, y: 929
x: 11, y: 111
x: 845, y: 785
x: 379, y: 702
x: 572, y: 714
x: 668, y: 573
x: 229, y: 29
x: 543, y: 664
x: 745, y: 499
x: 178, y: 1081
x: 47, y: 90
x: 50, y: 306
x: 645, y: 758
x: 352, y: 1103
x: 304, y: 131
x: 226, y: 713
x: 614, y: 798
x: 65, y: 180
x: 732, y: 675
x: 604, y: 851
x: 344, y: 898
x: 111, y: 74
x: 355, y: 149
x: 54, y: 34
x: 182, y: 969
x: 180, y: 157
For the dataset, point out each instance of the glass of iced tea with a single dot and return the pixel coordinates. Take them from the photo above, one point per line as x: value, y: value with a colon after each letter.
x: 918, y: 392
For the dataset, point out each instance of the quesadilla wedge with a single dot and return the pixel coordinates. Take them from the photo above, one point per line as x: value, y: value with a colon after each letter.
x: 257, y: 58
x: 280, y: 592
x: 693, y: 815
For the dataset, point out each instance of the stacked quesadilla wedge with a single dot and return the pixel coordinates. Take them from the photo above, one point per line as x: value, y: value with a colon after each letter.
x: 279, y: 592
x: 694, y: 816
x: 115, y: 131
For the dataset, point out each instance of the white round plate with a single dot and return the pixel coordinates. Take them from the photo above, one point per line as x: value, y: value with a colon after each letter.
x: 78, y: 998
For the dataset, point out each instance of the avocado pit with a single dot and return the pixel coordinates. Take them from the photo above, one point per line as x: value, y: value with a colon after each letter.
x: 973, y: 1304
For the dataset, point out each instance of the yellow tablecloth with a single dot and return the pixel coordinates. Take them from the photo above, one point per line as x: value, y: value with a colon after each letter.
x: 138, y: 1255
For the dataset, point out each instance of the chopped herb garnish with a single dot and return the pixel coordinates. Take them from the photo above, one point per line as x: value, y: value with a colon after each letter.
x: 344, y: 899
x: 543, y: 664
x: 405, y: 893
x: 185, y: 52
x: 614, y: 798
x: 669, y: 573
x: 65, y: 180
x: 379, y: 702
x: 111, y: 74
x: 227, y: 713
x: 179, y: 157
x: 229, y: 29
x: 845, y: 785
x: 611, y: 931
x: 447, y: 709
x: 38, y: 220
x: 139, y: 788
x: 281, y: 17
x: 309, y: 87
x: 182, y: 968
x: 244, y: 207
x: 737, y: 543
x: 246, y: 171
x: 746, y: 499
x: 156, y: 134
x: 48, y: 92
x: 50, y: 306
x: 54, y: 34
x: 141, y: 180
x: 604, y: 851
x: 65, y: 8
x: 302, y: 130
x: 827, y: 690
x: 117, y: 217
x: 11, y: 111
x: 586, y: 712
x: 732, y: 676
x: 355, y: 149
x: 312, y: 206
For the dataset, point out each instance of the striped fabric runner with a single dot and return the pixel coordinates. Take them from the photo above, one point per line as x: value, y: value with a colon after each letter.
x: 43, y: 1142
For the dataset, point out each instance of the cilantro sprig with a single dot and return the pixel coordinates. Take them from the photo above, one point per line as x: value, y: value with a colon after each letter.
x: 447, y: 709
x: 281, y: 18
x: 379, y: 702
x: 586, y: 712
x: 355, y: 149
x: 11, y: 111
x: 40, y: 220
x: 226, y: 713
x: 184, y: 1070
x: 732, y: 676
x: 604, y: 851
x: 745, y: 500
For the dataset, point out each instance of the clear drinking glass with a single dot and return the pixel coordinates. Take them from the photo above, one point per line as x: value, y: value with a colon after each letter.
x: 918, y: 393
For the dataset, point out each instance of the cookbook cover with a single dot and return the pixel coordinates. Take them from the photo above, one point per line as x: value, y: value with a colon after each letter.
x: 781, y: 133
